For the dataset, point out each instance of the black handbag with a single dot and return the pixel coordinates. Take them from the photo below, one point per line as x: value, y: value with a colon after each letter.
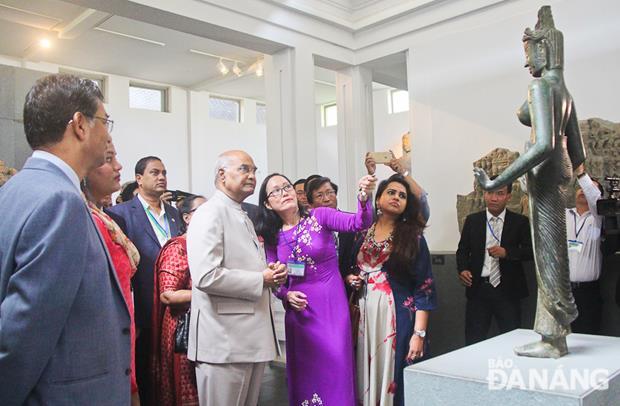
x: 181, y: 334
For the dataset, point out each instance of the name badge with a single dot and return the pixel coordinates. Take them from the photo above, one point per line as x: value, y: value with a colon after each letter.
x: 296, y: 268
x: 575, y: 246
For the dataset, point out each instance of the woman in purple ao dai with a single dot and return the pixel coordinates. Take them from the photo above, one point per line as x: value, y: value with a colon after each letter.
x: 319, y: 348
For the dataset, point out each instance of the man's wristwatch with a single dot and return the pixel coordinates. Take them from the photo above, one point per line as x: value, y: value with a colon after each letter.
x: 419, y: 333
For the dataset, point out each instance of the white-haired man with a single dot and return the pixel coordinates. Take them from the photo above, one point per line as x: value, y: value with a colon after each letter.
x: 231, y: 330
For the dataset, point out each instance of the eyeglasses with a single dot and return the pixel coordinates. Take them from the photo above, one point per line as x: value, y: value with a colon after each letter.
x: 109, y: 124
x: 328, y: 194
x: 279, y: 192
x: 246, y: 169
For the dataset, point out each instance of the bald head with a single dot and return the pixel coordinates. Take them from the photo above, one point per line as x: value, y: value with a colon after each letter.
x: 235, y: 174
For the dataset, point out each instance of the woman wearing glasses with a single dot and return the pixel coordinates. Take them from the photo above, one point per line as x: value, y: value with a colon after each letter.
x: 319, y: 351
x: 173, y: 376
x: 394, y: 263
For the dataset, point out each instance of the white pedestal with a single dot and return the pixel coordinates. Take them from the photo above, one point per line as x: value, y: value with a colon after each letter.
x: 465, y: 377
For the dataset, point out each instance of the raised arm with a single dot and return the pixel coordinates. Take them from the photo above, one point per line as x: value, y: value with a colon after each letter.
x: 540, y: 100
x: 335, y: 220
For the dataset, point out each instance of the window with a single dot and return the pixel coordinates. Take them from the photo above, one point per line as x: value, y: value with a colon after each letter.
x: 399, y: 101
x: 329, y: 115
x: 261, y: 114
x: 100, y: 80
x: 222, y: 108
x: 148, y: 97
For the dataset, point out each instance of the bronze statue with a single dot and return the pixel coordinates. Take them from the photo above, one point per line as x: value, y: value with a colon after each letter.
x: 555, y: 148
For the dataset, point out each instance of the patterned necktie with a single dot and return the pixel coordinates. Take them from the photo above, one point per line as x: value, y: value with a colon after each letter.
x: 495, y: 275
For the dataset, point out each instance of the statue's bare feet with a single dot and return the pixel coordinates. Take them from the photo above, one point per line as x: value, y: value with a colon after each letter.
x: 546, y: 348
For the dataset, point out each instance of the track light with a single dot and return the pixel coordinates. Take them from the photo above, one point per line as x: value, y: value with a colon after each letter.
x: 236, y: 69
x: 221, y: 66
x: 45, y: 43
x: 259, y: 69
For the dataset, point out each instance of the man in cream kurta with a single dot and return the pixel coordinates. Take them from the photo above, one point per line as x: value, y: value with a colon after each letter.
x: 231, y: 330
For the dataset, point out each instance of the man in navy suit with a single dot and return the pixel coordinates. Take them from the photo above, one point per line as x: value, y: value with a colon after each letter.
x: 64, y: 324
x: 148, y: 222
x: 493, y: 244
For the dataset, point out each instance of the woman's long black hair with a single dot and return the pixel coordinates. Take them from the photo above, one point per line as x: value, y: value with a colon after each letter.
x: 407, y: 230
x: 268, y: 222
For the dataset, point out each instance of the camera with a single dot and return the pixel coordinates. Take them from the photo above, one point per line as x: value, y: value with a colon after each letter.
x: 610, y: 210
x: 178, y: 194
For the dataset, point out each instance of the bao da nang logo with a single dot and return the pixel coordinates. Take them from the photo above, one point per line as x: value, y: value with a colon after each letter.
x: 503, y: 375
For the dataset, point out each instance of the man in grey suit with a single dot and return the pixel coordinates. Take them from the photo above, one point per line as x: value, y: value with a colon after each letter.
x: 231, y: 328
x: 64, y: 325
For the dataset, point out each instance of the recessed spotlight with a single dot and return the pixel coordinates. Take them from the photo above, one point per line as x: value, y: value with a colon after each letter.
x: 45, y: 43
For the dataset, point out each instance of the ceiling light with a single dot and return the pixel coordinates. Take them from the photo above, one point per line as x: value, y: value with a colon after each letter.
x: 259, y: 69
x: 45, y: 43
x: 221, y: 66
x: 236, y: 69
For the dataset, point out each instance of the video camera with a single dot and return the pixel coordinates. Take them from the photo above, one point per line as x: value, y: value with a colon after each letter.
x: 610, y: 210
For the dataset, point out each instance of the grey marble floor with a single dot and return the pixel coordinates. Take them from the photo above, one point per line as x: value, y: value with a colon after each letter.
x: 273, y: 390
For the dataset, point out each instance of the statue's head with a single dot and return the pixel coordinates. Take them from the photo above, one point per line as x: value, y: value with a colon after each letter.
x: 544, y: 45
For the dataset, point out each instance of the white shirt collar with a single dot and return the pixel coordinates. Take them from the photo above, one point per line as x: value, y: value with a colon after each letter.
x: 62, y: 165
x: 502, y: 215
x: 145, y: 204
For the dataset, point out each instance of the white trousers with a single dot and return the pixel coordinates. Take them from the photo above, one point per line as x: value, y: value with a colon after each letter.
x: 236, y: 384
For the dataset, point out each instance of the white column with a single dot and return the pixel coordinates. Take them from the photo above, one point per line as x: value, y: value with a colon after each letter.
x: 289, y: 95
x: 355, y: 130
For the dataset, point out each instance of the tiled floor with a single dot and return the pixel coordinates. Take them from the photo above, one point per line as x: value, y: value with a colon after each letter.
x: 273, y: 391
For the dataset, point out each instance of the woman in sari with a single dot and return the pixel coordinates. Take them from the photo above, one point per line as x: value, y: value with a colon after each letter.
x: 173, y: 374
x: 394, y: 269
x: 97, y: 186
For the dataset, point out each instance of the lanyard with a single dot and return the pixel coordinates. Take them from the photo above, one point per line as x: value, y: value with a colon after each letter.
x: 165, y: 232
x: 491, y: 230
x: 582, y: 224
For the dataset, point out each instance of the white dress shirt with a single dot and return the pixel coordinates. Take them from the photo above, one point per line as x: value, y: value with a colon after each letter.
x: 162, y: 228
x: 584, y: 236
x: 490, y: 262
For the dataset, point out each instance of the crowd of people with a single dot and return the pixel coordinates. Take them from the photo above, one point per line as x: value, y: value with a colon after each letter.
x: 149, y: 303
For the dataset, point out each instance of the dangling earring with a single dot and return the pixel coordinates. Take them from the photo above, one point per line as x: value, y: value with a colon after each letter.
x: 379, y: 212
x: 404, y: 219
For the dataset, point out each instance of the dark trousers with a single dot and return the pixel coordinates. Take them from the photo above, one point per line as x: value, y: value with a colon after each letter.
x: 143, y: 367
x: 489, y: 303
x: 590, y: 305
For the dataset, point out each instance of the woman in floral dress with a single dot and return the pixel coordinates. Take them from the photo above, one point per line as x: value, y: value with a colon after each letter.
x: 173, y: 375
x: 398, y: 291
x: 319, y: 349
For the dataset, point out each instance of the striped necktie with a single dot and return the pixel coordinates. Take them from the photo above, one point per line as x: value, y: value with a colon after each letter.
x: 495, y: 275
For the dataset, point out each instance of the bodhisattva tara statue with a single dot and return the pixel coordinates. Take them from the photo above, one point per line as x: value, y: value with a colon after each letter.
x: 555, y: 148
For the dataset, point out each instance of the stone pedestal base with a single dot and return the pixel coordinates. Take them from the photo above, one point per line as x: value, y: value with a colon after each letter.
x: 489, y: 373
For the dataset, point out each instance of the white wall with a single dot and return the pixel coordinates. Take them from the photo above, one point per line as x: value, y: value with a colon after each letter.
x: 185, y: 138
x: 467, y: 83
x: 327, y: 149
x: 211, y: 137
x: 389, y: 128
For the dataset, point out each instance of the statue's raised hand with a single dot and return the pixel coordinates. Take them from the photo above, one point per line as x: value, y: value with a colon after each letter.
x: 483, y: 178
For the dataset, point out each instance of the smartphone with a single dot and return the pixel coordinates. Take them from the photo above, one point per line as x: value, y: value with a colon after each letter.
x: 382, y: 157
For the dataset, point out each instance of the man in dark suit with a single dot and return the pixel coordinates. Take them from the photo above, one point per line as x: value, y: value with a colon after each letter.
x: 64, y: 324
x: 493, y: 244
x: 149, y: 223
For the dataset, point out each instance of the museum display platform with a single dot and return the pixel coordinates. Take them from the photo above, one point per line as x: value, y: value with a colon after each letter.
x: 489, y: 373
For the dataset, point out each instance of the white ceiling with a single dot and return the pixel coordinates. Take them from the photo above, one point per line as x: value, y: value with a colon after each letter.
x: 23, y: 24
x: 97, y: 41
